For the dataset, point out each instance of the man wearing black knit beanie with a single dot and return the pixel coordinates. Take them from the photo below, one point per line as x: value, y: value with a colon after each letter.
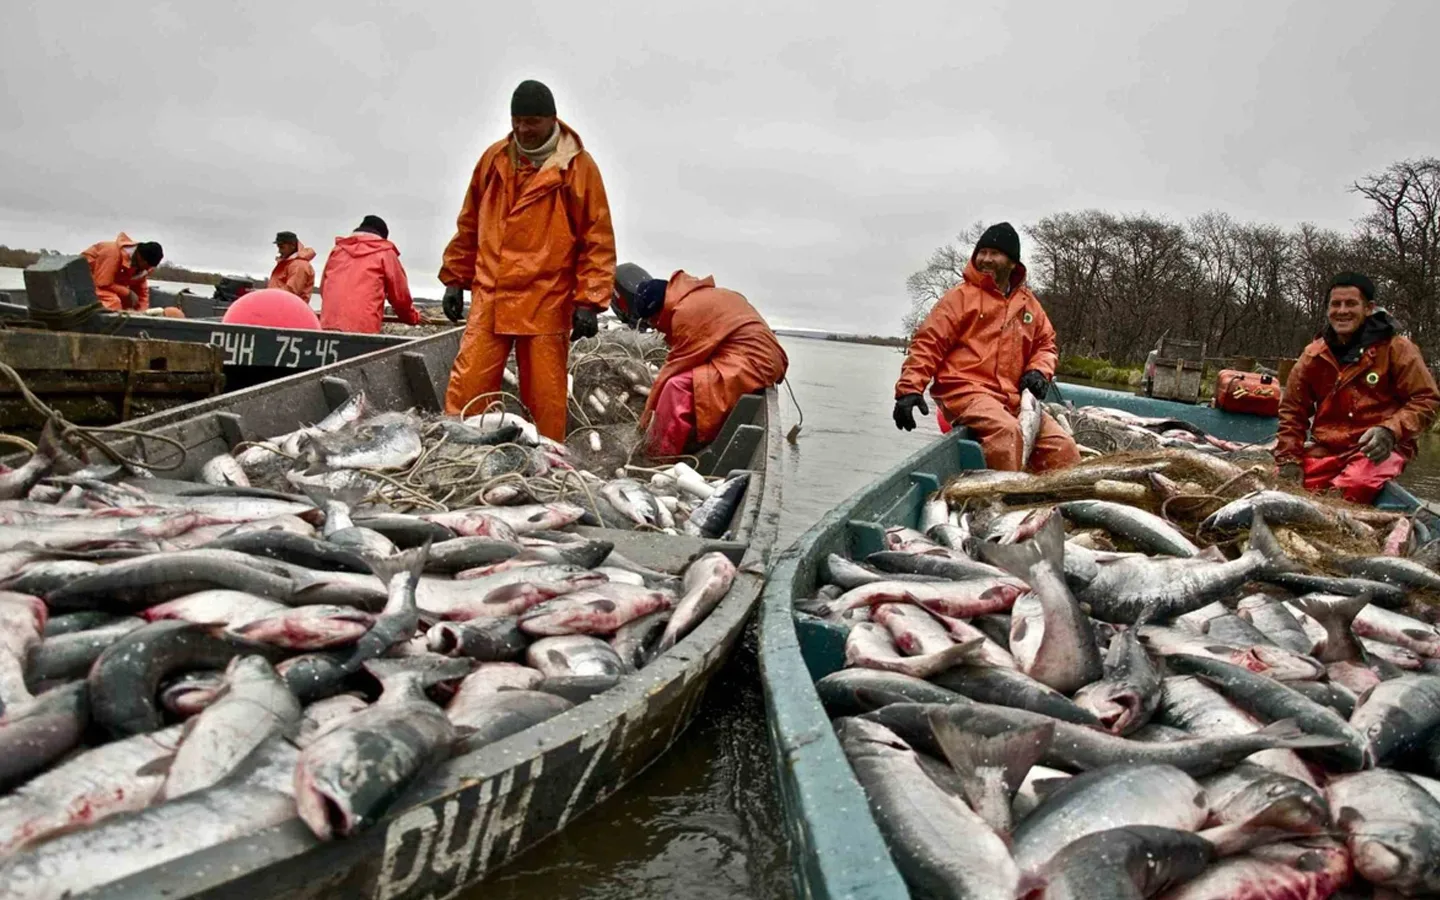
x: 989, y: 349
x: 1360, y: 392
x: 534, y: 246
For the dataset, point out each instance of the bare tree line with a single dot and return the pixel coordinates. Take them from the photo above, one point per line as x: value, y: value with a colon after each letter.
x: 1114, y: 284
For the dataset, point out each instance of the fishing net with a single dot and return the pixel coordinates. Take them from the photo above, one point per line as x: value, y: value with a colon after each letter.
x: 611, y: 375
x: 605, y: 449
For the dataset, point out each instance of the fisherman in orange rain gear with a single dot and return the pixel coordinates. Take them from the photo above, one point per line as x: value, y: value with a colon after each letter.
x: 364, y: 269
x: 121, y: 271
x: 986, y: 341
x: 720, y: 350
x: 534, y: 245
x: 1362, y: 392
x: 293, y: 271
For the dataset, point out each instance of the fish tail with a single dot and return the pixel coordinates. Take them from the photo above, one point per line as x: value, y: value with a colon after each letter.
x: 48, y: 447
x: 952, y: 656
x: 1339, y: 613
x: 425, y: 671
x: 1048, y: 544
x: 1263, y: 539
x: 409, y: 562
x: 322, y: 496
x: 1016, y: 752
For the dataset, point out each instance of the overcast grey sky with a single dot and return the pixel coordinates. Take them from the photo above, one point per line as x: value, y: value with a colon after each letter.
x: 806, y: 156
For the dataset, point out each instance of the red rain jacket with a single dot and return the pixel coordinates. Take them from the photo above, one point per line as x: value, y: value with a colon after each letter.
x: 1389, y: 385
x: 361, y: 272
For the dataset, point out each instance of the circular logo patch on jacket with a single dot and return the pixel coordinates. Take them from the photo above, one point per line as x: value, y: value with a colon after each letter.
x: 1372, y: 378
x: 1028, y: 317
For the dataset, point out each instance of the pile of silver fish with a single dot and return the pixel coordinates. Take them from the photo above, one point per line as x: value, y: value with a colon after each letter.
x: 183, y: 663
x: 1083, y: 699
x: 1100, y: 430
x: 438, y: 465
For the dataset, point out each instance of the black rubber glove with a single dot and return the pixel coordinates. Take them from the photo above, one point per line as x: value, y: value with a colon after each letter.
x: 905, y: 410
x: 453, y: 303
x: 1290, y: 472
x: 585, y: 323
x: 1377, y: 443
x: 1036, y: 383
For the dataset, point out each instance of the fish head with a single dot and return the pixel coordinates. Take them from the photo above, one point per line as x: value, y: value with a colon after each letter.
x: 1283, y: 665
x: 1119, y: 707
x: 1296, y: 812
x: 1393, y: 853
x: 325, y: 811
x: 857, y: 733
x: 248, y: 668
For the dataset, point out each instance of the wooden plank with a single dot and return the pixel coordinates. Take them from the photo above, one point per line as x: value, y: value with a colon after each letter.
x: 28, y: 349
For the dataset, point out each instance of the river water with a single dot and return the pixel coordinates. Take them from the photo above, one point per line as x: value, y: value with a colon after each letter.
x: 703, y: 821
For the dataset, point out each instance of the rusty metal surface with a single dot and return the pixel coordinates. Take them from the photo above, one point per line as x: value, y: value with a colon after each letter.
x: 98, y: 380
x: 51, y: 350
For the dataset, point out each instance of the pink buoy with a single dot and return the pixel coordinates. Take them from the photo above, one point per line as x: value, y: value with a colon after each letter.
x: 272, y: 308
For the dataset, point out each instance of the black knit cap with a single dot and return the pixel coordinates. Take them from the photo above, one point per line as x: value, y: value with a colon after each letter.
x: 1355, y: 280
x: 1002, y: 237
x: 150, y: 252
x: 286, y: 237
x: 532, y: 98
x: 374, y: 225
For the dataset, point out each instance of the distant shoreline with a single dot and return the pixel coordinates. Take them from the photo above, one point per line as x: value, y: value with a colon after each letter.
x: 877, y: 340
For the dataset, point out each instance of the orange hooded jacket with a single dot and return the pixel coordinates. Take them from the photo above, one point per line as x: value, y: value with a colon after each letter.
x: 978, y: 341
x: 1388, y: 385
x: 718, y: 336
x: 361, y: 272
x: 115, y: 275
x: 533, y: 242
x: 295, y: 274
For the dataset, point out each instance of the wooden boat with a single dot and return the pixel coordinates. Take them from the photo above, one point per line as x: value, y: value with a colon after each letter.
x: 836, y: 848
x: 60, y: 296
x: 481, y: 809
x: 98, y: 379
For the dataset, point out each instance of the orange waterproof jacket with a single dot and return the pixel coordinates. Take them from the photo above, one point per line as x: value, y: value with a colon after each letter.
x: 533, y: 242
x: 977, y: 340
x: 1389, y: 385
x: 114, y: 274
x: 361, y: 272
x: 719, y: 336
x: 295, y: 274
